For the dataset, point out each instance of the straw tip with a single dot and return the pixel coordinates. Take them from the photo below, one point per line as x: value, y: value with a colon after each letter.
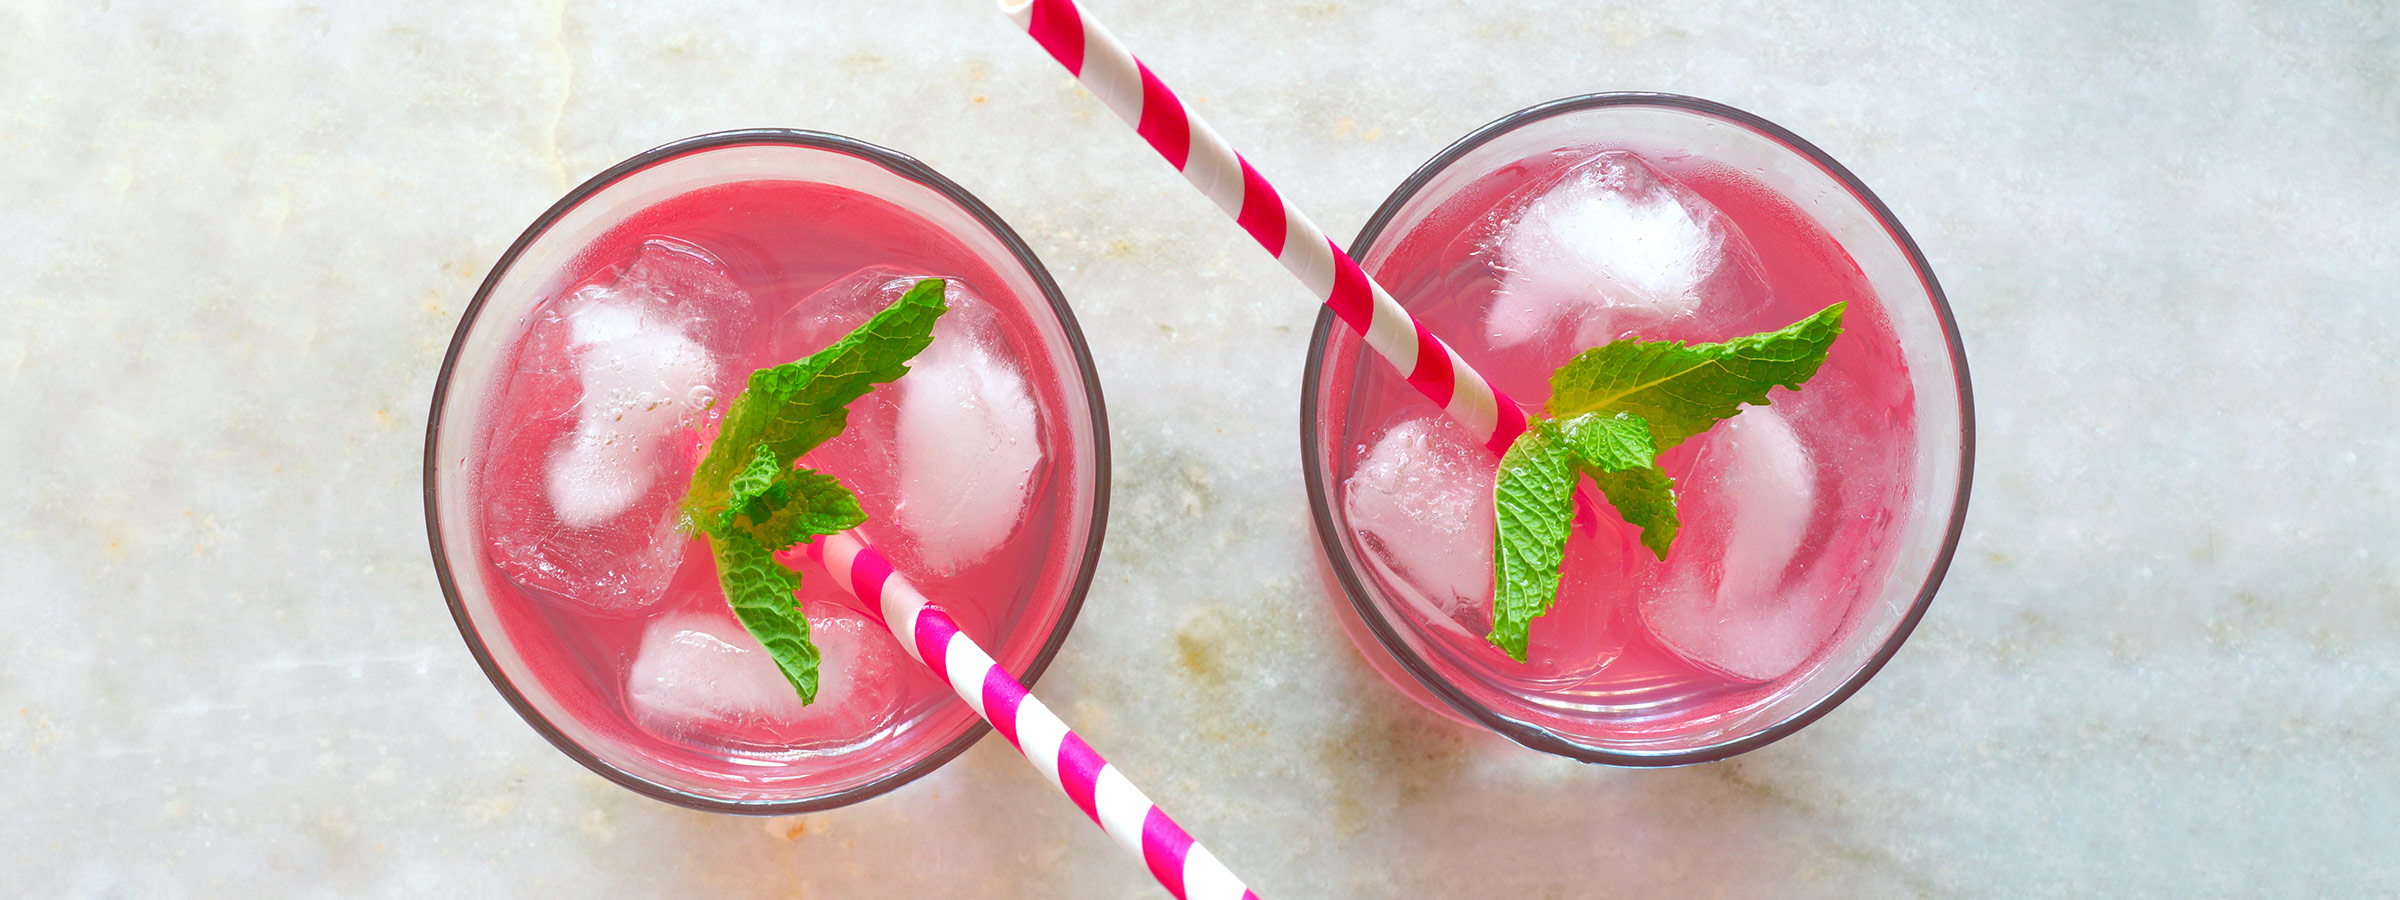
x: 1020, y: 10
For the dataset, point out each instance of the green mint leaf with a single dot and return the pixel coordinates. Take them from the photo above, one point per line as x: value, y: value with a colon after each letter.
x: 791, y: 408
x: 1533, y: 503
x: 1617, y: 452
x: 800, y: 505
x: 1682, y: 389
x: 760, y: 591
x: 1610, y: 443
x: 781, y: 505
x: 750, y: 501
x: 752, y: 482
x: 1613, y: 410
x: 1645, y: 497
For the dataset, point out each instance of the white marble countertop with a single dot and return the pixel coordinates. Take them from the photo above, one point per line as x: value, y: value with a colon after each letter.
x: 235, y: 238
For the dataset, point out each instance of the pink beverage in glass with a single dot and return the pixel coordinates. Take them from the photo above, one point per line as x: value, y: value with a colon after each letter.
x: 1796, y: 516
x: 977, y: 471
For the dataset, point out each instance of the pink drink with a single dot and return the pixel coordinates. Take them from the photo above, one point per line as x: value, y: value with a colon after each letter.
x: 1849, y: 422
x: 1795, y: 516
x: 978, y: 472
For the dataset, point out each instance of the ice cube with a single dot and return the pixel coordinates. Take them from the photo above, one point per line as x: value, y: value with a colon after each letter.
x: 1724, y: 601
x: 969, y: 439
x: 950, y: 454
x: 639, y: 384
x: 842, y: 305
x: 1421, y: 503
x: 862, y: 455
x: 1614, y: 245
x: 595, y: 445
x: 701, y: 677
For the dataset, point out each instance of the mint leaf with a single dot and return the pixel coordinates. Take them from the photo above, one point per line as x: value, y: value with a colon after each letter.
x: 781, y: 506
x: 1617, y: 452
x: 1682, y: 389
x: 1533, y: 505
x: 750, y: 500
x: 791, y: 408
x: 799, y: 506
x: 1613, y: 409
x: 1533, y: 502
x: 1609, y: 443
x: 747, y: 486
x: 1645, y: 498
x: 760, y: 591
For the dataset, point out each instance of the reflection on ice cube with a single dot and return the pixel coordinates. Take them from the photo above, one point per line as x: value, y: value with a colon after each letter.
x: 1616, y: 245
x: 1723, y: 603
x: 841, y: 306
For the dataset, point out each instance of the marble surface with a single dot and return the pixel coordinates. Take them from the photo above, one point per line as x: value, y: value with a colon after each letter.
x: 235, y: 237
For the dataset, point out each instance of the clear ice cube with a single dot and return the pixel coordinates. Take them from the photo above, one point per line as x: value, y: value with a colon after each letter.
x: 839, y: 307
x: 946, y: 459
x: 702, y: 677
x: 597, y: 444
x: 1613, y: 246
x: 1421, y: 503
x: 1724, y: 601
x: 640, y: 382
x: 969, y: 441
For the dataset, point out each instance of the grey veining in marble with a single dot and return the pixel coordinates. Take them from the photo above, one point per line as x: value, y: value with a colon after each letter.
x: 235, y: 237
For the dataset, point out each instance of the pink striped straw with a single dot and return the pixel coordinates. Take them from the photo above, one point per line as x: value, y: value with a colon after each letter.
x: 1094, y: 56
x: 1180, y: 864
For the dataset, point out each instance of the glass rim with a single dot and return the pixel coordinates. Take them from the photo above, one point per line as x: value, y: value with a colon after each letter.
x: 1531, y: 734
x: 907, y: 168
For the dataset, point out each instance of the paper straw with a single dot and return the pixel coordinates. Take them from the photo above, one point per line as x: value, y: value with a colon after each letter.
x: 1180, y: 864
x: 1094, y: 56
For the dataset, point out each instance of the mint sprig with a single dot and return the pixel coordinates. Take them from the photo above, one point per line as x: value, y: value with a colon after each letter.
x: 795, y: 406
x: 1682, y: 389
x: 1613, y: 409
x: 750, y: 500
x: 783, y: 505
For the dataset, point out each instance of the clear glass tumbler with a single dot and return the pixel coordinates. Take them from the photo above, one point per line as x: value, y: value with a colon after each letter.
x: 1618, y: 697
x: 564, y: 671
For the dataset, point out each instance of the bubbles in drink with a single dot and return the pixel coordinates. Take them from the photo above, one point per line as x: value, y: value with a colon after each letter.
x: 614, y: 375
x: 1615, y: 246
x: 702, y: 677
x: 1722, y: 600
x: 945, y: 460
